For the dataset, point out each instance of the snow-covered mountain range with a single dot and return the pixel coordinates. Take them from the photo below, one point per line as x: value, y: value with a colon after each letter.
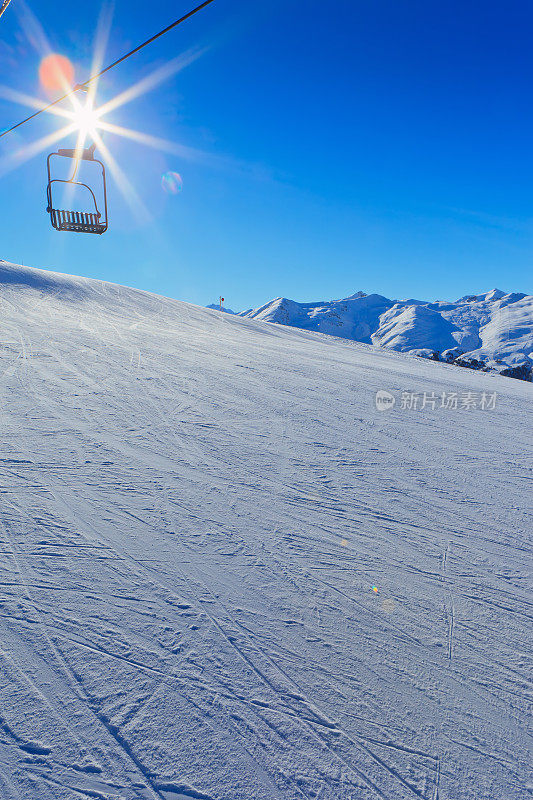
x: 492, y: 331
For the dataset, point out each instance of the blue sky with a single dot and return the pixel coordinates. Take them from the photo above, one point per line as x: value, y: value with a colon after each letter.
x: 379, y: 145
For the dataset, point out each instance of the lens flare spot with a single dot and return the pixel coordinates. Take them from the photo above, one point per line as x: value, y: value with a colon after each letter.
x: 172, y: 182
x: 56, y: 73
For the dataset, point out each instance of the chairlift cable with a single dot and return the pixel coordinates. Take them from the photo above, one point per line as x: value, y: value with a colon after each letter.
x: 81, y: 86
x: 3, y: 6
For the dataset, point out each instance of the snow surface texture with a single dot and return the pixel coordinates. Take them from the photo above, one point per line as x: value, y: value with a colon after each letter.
x: 194, y: 511
x: 492, y: 331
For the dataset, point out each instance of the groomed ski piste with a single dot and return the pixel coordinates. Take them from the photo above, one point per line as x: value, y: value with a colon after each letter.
x: 226, y: 575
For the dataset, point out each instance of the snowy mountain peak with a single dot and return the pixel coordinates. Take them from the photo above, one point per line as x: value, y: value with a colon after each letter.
x: 494, y: 294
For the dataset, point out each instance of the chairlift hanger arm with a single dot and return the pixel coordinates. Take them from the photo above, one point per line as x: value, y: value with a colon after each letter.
x: 83, y: 86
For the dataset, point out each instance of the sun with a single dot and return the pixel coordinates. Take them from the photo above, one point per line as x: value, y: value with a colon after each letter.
x: 86, y: 118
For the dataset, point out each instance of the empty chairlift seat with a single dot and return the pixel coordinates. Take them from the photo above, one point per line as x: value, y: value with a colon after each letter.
x: 77, y: 221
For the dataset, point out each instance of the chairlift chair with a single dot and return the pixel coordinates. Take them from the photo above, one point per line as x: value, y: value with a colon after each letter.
x: 77, y: 221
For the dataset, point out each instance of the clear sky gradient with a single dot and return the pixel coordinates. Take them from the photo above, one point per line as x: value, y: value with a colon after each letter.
x: 376, y: 145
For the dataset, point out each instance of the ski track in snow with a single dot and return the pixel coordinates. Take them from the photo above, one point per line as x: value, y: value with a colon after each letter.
x: 194, y: 508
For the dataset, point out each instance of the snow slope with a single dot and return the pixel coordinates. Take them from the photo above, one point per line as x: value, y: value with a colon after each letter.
x: 194, y: 509
x: 494, y: 329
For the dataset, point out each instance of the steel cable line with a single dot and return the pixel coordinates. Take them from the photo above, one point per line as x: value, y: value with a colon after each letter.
x: 82, y: 86
x: 3, y: 5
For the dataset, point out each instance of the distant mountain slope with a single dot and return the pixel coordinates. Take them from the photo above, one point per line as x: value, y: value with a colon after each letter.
x: 216, y: 307
x: 492, y: 331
